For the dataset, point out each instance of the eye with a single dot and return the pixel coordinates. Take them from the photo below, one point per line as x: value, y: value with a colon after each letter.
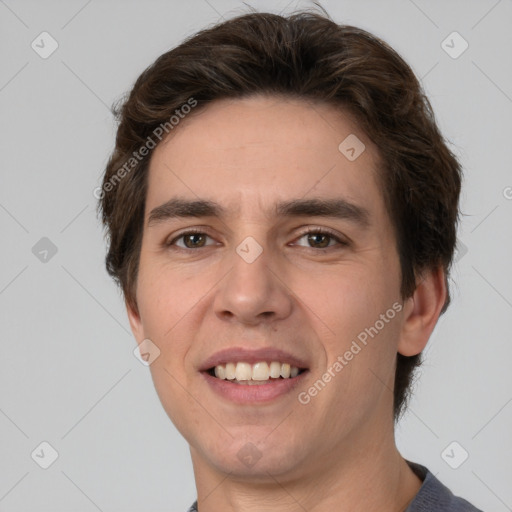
x: 190, y: 240
x: 319, y: 239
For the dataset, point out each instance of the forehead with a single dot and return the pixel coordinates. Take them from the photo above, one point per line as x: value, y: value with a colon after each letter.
x: 257, y: 151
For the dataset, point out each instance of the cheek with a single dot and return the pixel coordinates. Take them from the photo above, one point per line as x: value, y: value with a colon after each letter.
x: 168, y: 301
x: 344, y: 298
x: 166, y: 294
x: 166, y: 298
x: 355, y: 312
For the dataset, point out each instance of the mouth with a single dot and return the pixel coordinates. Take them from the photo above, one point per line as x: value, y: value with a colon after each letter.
x: 253, y: 376
x: 257, y: 374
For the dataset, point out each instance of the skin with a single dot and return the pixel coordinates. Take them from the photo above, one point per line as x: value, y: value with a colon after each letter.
x: 338, y: 451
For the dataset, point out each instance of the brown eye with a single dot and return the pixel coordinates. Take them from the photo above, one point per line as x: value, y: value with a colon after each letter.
x: 319, y: 240
x: 193, y: 240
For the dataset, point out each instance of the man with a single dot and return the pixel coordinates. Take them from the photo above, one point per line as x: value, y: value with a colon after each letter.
x: 281, y: 211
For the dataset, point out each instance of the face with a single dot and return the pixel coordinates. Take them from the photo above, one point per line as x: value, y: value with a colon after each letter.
x: 266, y: 246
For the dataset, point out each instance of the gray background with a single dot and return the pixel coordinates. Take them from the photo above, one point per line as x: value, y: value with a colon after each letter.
x: 67, y: 372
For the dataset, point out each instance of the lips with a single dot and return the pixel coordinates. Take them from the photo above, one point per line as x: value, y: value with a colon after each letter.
x: 247, y: 389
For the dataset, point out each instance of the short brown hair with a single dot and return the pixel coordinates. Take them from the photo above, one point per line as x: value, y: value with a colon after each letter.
x: 305, y: 55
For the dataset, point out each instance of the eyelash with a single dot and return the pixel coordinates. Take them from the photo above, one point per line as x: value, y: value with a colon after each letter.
x: 310, y: 230
x: 191, y: 231
x: 326, y: 232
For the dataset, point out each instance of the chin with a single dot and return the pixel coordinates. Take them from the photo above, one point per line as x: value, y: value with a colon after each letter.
x: 246, y: 460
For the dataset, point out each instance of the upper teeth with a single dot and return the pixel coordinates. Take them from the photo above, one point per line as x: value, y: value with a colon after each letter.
x: 257, y: 371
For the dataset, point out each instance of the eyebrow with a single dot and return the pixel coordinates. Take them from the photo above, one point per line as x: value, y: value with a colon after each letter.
x: 335, y: 208
x: 181, y: 208
x: 332, y: 208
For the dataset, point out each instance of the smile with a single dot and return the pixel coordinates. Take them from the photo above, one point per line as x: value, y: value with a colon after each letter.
x: 257, y: 373
x: 253, y: 376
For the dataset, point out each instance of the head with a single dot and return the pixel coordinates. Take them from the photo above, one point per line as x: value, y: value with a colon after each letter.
x: 250, y: 115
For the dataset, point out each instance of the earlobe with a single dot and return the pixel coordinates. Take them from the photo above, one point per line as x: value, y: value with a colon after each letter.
x: 421, y: 312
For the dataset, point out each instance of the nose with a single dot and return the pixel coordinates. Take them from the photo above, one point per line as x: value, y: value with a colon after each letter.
x: 253, y: 292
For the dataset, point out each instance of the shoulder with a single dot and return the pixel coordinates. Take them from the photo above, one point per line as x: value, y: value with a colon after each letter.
x: 434, y: 496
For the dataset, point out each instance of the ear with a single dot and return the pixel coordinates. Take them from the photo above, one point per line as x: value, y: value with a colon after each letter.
x: 421, y: 311
x: 135, y: 321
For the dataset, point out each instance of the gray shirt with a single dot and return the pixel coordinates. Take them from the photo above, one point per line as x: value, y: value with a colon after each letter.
x: 433, y: 496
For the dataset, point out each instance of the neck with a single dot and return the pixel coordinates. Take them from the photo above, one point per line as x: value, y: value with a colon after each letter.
x: 361, y: 475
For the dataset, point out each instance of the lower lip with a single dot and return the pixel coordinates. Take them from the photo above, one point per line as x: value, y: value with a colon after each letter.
x: 257, y: 393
